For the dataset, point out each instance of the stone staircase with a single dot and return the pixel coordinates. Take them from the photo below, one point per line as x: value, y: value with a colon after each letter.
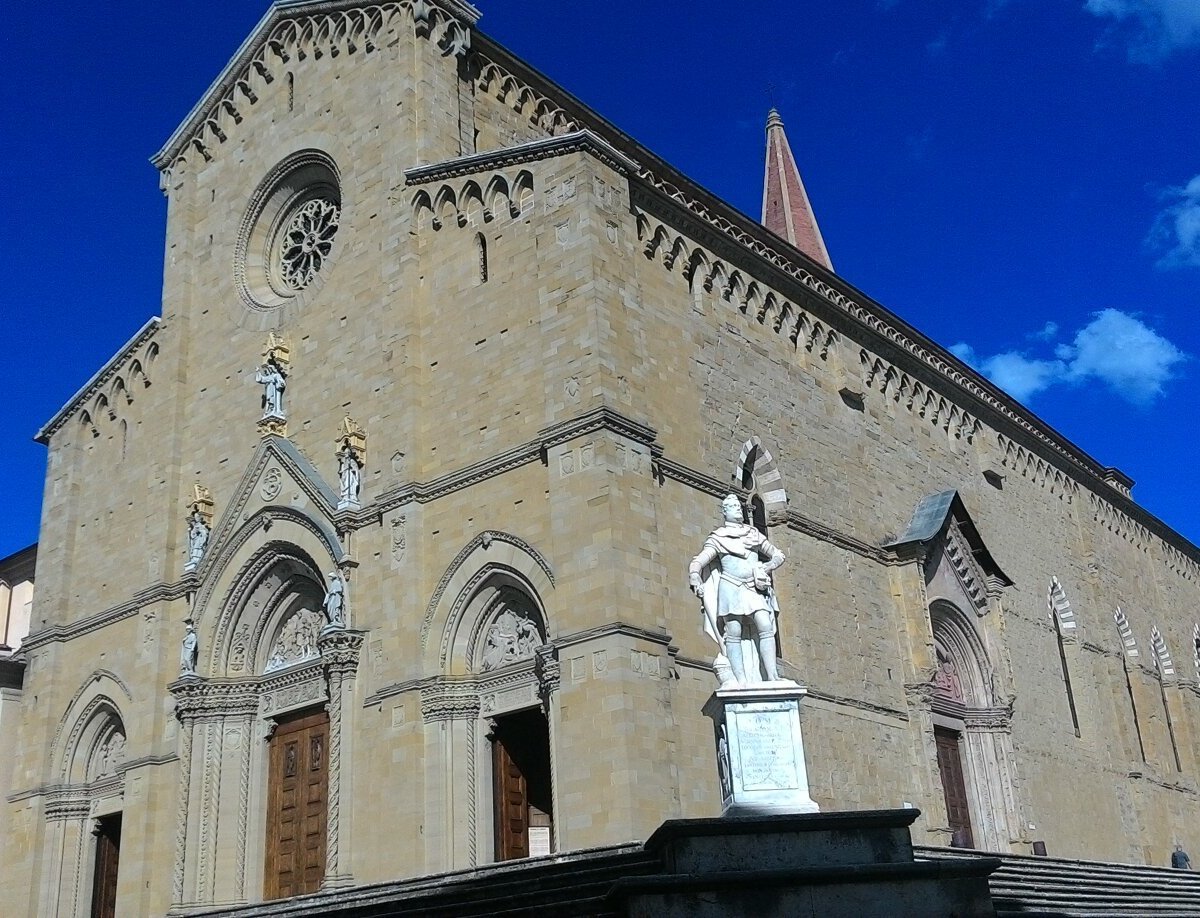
x: 1053, y: 887
x: 553, y: 886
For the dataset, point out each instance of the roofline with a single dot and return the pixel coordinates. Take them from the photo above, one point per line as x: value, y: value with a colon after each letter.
x: 1055, y: 444
x: 542, y: 148
x: 142, y: 335
x: 278, y: 10
x: 1006, y: 415
x: 17, y: 557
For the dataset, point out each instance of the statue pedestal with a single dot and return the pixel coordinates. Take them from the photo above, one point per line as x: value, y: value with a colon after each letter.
x: 760, y: 751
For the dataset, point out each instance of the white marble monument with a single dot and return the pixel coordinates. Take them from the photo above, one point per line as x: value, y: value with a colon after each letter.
x: 755, y: 713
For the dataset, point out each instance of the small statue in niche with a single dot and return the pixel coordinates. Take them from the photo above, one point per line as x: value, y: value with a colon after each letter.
x: 334, y: 605
x: 731, y: 575
x: 273, y: 379
x: 198, y: 534
x: 189, y: 650
x: 350, y: 475
x: 351, y: 456
x: 199, y: 523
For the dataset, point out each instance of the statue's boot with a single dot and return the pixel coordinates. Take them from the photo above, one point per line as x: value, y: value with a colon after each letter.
x: 733, y: 650
x: 766, y: 655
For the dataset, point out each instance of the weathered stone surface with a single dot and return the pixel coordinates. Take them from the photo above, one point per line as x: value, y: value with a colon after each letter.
x: 564, y: 354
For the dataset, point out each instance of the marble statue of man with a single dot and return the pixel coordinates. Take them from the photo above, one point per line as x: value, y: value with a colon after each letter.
x: 350, y: 474
x: 270, y: 377
x: 731, y: 575
x: 334, y: 605
x: 197, y: 537
x: 189, y: 651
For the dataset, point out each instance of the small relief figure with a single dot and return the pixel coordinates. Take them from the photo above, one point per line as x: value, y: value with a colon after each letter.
x: 501, y: 642
x: 273, y: 380
x: 189, y: 651
x: 350, y: 474
x: 528, y: 638
x: 946, y: 682
x: 511, y: 637
x: 732, y: 577
x: 198, y: 533
x: 334, y: 605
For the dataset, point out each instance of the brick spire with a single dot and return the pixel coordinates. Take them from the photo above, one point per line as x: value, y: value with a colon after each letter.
x: 786, y: 210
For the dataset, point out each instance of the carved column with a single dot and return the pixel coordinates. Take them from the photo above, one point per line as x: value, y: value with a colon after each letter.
x: 185, y: 692
x: 549, y: 671
x: 339, y: 655
x: 451, y: 715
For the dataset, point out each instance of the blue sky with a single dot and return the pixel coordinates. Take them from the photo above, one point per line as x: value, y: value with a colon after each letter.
x: 1019, y: 179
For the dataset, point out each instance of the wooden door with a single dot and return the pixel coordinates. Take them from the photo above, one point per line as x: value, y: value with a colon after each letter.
x: 297, y: 807
x: 511, y: 795
x: 104, y: 883
x: 521, y: 793
x: 954, y: 787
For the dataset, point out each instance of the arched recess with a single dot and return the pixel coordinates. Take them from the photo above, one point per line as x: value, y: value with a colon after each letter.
x: 266, y: 657
x: 88, y: 757
x: 487, y: 643
x: 972, y: 734
x: 757, y: 471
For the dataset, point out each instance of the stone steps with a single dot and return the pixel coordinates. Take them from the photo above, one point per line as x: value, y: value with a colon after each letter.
x: 1029, y: 886
x: 574, y: 885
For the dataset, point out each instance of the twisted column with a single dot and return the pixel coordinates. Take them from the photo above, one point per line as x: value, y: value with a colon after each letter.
x: 181, y: 813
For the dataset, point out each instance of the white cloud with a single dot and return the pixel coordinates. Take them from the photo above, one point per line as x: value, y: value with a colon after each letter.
x: 1158, y: 26
x: 1177, y: 228
x: 1115, y: 348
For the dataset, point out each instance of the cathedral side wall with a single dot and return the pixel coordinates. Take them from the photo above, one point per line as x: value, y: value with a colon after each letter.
x: 724, y: 377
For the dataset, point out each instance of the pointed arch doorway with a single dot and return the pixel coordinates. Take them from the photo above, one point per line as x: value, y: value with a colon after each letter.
x: 972, y: 737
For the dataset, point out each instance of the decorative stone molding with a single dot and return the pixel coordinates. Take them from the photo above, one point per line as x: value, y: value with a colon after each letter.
x: 767, y: 478
x: 442, y: 701
x: 910, y: 393
x: 1126, y: 632
x: 340, y: 650
x: 1059, y: 607
x: 989, y: 720
x: 483, y: 540
x: 471, y: 205
x: 129, y: 363
x: 970, y: 575
x: 292, y: 32
x: 543, y: 148
x: 548, y: 671
x: 1162, y: 656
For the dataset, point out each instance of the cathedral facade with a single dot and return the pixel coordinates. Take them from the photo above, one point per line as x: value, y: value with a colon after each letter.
x: 368, y: 558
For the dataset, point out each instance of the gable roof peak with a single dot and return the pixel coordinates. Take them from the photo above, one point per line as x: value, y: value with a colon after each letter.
x: 786, y: 210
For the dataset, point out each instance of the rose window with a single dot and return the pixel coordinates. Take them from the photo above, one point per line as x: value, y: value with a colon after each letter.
x: 305, y: 243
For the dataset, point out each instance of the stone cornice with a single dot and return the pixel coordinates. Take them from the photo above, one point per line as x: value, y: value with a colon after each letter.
x: 156, y: 592
x: 714, y: 222
x: 597, y: 419
x: 249, y: 58
x: 99, y: 379
x: 543, y: 148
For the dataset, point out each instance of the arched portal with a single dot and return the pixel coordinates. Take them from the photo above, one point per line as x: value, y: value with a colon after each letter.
x: 490, y: 715
x: 972, y: 735
x: 264, y: 709
x: 84, y: 809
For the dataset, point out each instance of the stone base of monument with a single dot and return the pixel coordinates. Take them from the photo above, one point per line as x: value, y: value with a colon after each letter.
x: 831, y: 865
x: 760, y: 749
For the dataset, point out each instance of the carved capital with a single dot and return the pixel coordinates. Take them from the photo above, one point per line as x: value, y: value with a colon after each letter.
x: 548, y: 671
x: 449, y: 701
